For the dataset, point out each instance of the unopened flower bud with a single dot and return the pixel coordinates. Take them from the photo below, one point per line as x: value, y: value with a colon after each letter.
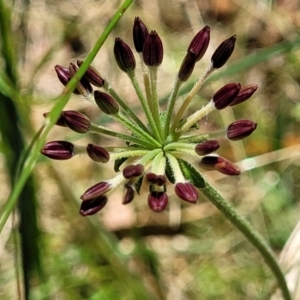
x: 153, y: 50
x: 128, y: 194
x: 158, y: 201
x: 200, y: 43
x: 106, y: 103
x: 223, y: 52
x: 83, y: 86
x: 187, y: 66
x: 76, y: 121
x: 92, y: 75
x: 186, y: 191
x: 97, y: 153
x: 155, y: 179
x: 124, y: 56
x: 207, y: 147
x: 60, y: 150
x: 96, y: 190
x: 140, y: 33
x: 63, y: 74
x: 244, y: 94
x: 133, y: 171
x: 220, y: 164
x: 92, y: 206
x: 240, y: 129
x: 225, y: 95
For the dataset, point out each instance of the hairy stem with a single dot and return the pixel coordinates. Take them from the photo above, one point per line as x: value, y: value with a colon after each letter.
x: 253, y: 236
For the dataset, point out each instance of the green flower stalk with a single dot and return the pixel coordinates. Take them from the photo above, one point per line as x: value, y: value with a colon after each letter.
x: 159, y: 152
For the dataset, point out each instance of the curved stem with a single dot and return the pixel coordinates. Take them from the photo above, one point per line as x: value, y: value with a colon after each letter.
x: 253, y: 236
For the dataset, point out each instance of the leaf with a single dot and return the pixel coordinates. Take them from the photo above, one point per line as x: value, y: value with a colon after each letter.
x: 138, y: 184
x: 191, y: 174
x: 118, y: 163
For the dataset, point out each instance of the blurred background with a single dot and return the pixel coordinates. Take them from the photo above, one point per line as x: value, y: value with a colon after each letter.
x: 48, y: 251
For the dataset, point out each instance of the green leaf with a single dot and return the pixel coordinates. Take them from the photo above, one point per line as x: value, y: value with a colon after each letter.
x: 138, y: 184
x: 118, y: 163
x: 191, y: 174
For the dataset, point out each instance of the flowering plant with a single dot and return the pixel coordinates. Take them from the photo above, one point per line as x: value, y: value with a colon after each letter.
x: 159, y: 150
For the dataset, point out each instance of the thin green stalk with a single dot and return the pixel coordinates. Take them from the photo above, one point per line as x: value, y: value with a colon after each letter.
x: 171, y: 103
x: 136, y: 130
x: 60, y: 103
x: 128, y: 138
x: 126, y: 108
x: 145, y: 106
x: 154, y: 99
x: 190, y: 96
x: 253, y: 237
x: 146, y: 79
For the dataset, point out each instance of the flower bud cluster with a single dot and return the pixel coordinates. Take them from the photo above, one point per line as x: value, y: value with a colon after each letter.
x: 156, y: 153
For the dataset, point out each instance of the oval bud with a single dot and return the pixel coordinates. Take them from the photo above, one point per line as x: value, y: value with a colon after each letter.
x: 225, y: 95
x: 153, y: 50
x: 97, y: 153
x: 223, y: 52
x: 140, y: 33
x: 90, y: 207
x: 200, y: 42
x: 207, y: 147
x: 158, y: 201
x: 60, y: 150
x: 240, y: 129
x: 186, y: 191
x: 124, y: 56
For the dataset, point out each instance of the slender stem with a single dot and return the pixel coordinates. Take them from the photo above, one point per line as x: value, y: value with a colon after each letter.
x: 176, y: 168
x: 145, y: 106
x: 194, y: 138
x: 195, y: 117
x: 128, y: 153
x: 128, y: 138
x: 190, y: 96
x: 171, y: 103
x: 126, y: 108
x: 253, y: 237
x: 60, y: 103
x: 154, y: 100
x: 146, y: 79
x: 136, y: 130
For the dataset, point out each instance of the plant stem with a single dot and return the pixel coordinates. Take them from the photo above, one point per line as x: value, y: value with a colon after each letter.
x: 60, y: 103
x: 253, y: 236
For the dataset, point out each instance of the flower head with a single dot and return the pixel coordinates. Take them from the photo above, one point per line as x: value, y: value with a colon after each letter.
x: 156, y: 153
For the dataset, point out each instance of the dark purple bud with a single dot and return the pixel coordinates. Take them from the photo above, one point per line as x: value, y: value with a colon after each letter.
x: 240, y: 129
x: 186, y: 191
x: 153, y: 50
x: 133, y: 171
x: 92, y: 75
x: 244, y: 94
x: 124, y: 56
x: 128, y: 194
x: 140, y: 33
x: 207, y: 147
x: 106, y: 103
x: 187, y: 66
x: 96, y: 190
x: 97, y: 153
x: 63, y: 74
x: 83, y: 86
x: 159, y: 180
x: 60, y: 121
x: 90, y: 207
x: 225, y: 95
x: 76, y: 121
x: 158, y: 201
x: 200, y: 42
x: 223, y: 52
x: 60, y: 150
x: 220, y: 164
